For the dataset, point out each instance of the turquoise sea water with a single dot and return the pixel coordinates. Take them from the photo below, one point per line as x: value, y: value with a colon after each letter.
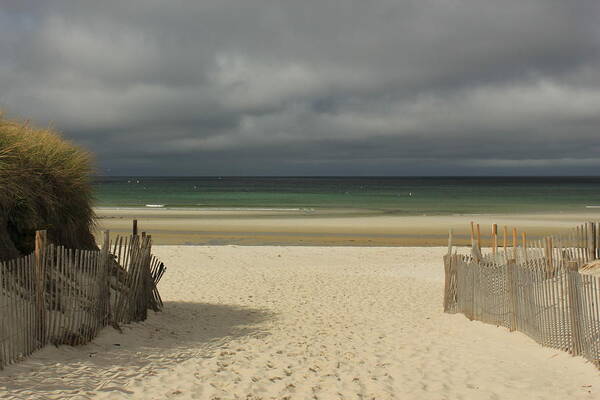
x: 408, y: 196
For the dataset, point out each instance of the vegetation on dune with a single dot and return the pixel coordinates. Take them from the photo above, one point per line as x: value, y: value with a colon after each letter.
x: 44, y: 184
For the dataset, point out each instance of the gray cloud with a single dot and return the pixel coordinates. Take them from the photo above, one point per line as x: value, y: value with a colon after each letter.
x: 311, y: 87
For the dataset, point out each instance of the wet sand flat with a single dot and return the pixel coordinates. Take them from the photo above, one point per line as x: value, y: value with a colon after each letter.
x: 325, y: 227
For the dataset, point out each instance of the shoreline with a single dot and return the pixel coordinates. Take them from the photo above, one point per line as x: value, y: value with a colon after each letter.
x: 331, y: 227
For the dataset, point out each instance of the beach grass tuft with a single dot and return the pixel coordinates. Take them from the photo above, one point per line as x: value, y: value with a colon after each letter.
x: 44, y: 184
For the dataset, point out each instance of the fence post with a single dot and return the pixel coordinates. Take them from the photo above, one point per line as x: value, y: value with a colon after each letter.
x: 148, y: 278
x: 40, y: 285
x: 574, y: 314
x: 512, y: 293
x: 494, y: 238
x: 597, y: 241
x: 515, y: 242
x: 591, y: 240
x: 135, y: 227
x: 448, y: 271
x: 106, y: 285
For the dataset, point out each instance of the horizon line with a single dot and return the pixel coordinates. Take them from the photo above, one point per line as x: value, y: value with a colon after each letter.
x: 344, y: 176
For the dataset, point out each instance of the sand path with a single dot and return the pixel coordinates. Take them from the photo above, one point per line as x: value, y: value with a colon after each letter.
x: 303, y: 323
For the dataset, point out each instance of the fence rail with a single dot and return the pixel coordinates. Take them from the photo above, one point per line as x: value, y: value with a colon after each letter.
x: 65, y: 296
x: 548, y: 289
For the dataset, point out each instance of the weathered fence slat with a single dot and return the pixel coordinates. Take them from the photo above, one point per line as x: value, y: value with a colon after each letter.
x: 548, y: 289
x: 65, y: 296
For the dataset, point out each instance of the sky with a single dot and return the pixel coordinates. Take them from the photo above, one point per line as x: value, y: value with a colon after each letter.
x: 311, y: 87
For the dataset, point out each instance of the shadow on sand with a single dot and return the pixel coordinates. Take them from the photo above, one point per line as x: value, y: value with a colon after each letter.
x: 182, y: 331
x: 183, y: 323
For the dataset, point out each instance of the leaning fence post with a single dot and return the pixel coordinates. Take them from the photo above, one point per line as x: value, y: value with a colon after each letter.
x: 512, y: 293
x: 574, y: 314
x: 40, y: 285
x: 148, y: 276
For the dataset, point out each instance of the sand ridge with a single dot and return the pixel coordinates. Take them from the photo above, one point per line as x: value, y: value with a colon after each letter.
x: 270, y: 322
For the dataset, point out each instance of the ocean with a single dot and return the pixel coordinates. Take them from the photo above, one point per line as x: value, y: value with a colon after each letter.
x: 394, y: 195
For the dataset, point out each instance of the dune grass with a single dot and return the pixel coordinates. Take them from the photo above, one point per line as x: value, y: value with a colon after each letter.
x: 44, y: 184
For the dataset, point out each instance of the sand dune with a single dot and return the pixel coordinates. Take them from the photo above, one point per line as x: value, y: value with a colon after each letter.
x: 303, y: 323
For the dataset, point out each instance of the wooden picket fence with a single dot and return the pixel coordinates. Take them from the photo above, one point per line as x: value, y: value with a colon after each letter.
x: 548, y: 289
x: 65, y: 296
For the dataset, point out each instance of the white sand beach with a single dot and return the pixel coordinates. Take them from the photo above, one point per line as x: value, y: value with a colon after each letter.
x: 271, y: 322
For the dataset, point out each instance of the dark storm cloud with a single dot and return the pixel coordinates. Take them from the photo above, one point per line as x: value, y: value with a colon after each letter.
x: 311, y: 87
